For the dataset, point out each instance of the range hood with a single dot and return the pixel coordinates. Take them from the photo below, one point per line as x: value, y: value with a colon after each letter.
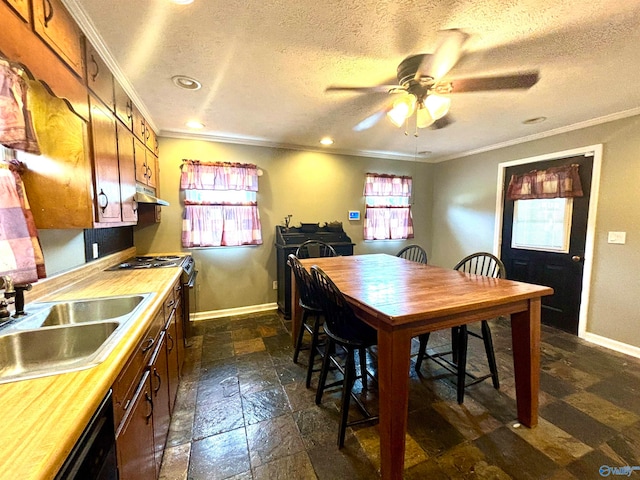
x: 148, y: 195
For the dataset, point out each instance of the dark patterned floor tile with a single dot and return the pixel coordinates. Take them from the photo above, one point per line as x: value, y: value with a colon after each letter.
x: 215, y: 417
x: 350, y: 462
x: 297, y: 466
x: 622, y: 389
x: 252, y: 381
x: 290, y: 372
x: 426, y: 470
x: 264, y: 405
x: 555, y: 386
x: 578, y: 424
x: 273, y: 439
x: 219, y: 456
x: 625, y: 446
x: 300, y: 397
x: 432, y: 431
x: 590, y: 465
x: 318, y: 425
x: 514, y: 456
x: 253, y: 361
x: 467, y: 461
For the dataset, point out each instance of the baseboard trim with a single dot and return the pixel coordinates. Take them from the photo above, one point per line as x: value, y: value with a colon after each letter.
x: 211, y: 314
x: 612, y: 344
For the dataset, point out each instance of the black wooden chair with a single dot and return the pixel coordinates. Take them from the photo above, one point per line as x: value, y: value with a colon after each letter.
x: 415, y: 253
x: 315, y: 249
x: 345, y: 330
x: 480, y: 263
x: 311, y: 315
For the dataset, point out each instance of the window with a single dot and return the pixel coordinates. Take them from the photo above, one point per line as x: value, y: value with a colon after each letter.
x: 221, y: 207
x: 387, y: 207
x: 542, y: 224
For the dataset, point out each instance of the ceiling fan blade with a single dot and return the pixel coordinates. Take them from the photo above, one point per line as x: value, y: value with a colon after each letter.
x: 504, y: 82
x: 445, y: 56
x: 442, y: 122
x: 375, y: 89
x: 371, y: 120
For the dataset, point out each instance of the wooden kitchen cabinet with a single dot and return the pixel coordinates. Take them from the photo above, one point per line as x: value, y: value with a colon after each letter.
x: 135, y: 438
x: 53, y: 24
x: 145, y: 165
x: 139, y: 125
x: 123, y: 105
x: 105, y: 159
x: 99, y: 77
x: 22, y: 8
x: 127, y: 168
x: 161, y: 389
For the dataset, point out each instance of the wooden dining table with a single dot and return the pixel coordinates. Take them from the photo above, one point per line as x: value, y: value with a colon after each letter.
x: 402, y: 299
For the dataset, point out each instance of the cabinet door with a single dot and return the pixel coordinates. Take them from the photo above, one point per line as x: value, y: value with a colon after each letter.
x: 160, y: 385
x: 134, y: 440
x: 99, y: 77
x: 172, y: 357
x: 140, y: 153
x: 105, y: 159
x: 21, y: 7
x: 152, y: 169
x: 127, y: 167
x: 180, y: 340
x: 56, y: 27
x: 124, y: 105
x: 139, y: 125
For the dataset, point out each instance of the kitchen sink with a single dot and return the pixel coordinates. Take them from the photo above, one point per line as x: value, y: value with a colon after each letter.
x: 34, y: 353
x: 65, y: 336
x: 82, y: 311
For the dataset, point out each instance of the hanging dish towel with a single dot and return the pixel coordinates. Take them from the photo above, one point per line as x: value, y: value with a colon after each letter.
x: 16, y: 126
x: 20, y: 253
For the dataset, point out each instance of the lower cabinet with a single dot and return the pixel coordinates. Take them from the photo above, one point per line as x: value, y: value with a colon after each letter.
x: 135, y: 437
x: 142, y: 418
x: 161, y: 385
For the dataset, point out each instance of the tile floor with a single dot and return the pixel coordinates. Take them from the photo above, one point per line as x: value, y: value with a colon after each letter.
x: 243, y: 412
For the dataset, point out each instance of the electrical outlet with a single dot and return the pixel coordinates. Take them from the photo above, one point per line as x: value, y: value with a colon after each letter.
x: 617, y: 237
x: 95, y: 250
x: 275, y: 284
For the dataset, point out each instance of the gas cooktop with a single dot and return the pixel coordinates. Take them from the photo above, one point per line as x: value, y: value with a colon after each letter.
x: 150, y: 262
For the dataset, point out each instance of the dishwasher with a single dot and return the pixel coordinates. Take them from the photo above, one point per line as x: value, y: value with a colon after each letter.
x: 94, y: 455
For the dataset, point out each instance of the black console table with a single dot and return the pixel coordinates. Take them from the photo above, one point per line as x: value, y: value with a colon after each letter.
x: 288, y: 240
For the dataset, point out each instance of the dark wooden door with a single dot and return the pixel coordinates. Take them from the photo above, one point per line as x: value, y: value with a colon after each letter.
x: 561, y: 271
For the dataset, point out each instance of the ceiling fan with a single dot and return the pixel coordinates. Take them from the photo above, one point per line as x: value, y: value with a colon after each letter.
x: 423, y: 88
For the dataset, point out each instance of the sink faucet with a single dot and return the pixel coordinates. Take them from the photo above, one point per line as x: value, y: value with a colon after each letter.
x: 17, y: 291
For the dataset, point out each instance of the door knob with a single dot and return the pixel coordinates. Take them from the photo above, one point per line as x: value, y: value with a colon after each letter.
x: 576, y: 258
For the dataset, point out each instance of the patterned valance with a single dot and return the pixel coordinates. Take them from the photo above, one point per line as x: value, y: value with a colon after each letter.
x: 556, y: 182
x: 218, y: 176
x: 387, y: 185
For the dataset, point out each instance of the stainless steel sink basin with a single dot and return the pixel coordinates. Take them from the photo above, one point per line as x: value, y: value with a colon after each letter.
x: 65, y: 336
x: 34, y: 353
x: 82, y: 311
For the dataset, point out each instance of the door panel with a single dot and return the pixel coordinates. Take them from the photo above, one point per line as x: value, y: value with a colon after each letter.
x: 559, y: 271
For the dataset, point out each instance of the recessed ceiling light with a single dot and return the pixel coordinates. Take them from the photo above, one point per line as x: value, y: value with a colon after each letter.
x: 182, y: 2
x: 327, y: 141
x: 194, y: 124
x: 532, y: 121
x: 187, y: 83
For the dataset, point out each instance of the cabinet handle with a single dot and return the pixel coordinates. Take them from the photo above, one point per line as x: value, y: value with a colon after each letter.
x: 171, y: 303
x: 150, y: 401
x: 97, y: 69
x: 103, y: 200
x: 147, y: 347
x: 170, y: 338
x: 129, y: 109
x: 149, y: 173
x: 157, y: 375
x: 48, y: 12
x: 134, y: 202
x: 147, y: 133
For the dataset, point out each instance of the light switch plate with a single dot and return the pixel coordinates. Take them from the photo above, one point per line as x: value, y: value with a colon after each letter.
x: 617, y: 237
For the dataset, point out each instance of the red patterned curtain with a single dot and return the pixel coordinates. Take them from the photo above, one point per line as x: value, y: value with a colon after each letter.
x: 557, y: 182
x: 388, y: 209
x: 220, y: 204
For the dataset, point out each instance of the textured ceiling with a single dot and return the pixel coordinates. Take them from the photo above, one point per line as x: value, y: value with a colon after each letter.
x: 264, y: 66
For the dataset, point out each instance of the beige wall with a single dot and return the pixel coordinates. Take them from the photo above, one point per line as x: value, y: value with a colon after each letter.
x: 464, y: 214
x: 313, y: 187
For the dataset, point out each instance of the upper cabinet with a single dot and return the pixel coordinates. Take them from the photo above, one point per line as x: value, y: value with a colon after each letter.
x: 22, y: 8
x: 56, y: 27
x: 99, y: 77
x: 124, y: 105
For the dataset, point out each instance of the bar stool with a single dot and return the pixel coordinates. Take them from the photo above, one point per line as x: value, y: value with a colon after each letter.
x: 345, y: 330
x: 480, y: 263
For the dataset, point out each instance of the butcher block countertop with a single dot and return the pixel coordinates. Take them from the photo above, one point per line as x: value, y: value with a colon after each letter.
x: 41, y: 419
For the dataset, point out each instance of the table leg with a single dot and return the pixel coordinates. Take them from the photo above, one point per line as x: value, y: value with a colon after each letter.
x: 525, y: 336
x: 394, y: 350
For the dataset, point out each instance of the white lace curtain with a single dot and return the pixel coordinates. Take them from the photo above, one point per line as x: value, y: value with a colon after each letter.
x: 221, y: 208
x: 388, y: 208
